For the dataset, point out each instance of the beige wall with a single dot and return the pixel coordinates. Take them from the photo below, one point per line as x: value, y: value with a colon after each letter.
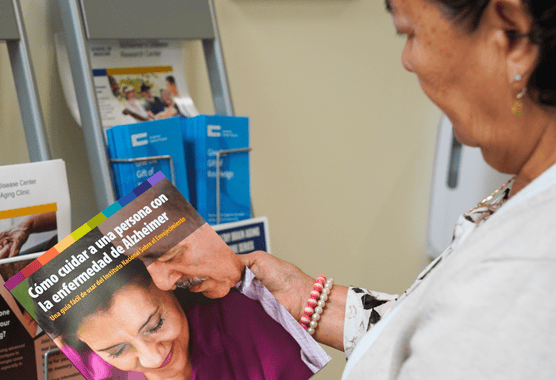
x: 342, y: 136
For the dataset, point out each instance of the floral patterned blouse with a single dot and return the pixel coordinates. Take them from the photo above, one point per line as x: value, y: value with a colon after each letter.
x: 365, y: 308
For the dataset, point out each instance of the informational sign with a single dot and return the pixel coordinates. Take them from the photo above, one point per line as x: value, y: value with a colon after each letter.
x: 246, y: 236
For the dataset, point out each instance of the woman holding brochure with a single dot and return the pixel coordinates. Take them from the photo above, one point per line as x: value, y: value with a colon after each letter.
x: 130, y: 329
x: 485, y: 309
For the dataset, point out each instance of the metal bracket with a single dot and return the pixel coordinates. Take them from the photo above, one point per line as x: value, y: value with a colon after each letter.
x: 151, y: 158
x: 218, y: 155
x: 25, y: 82
x: 45, y: 356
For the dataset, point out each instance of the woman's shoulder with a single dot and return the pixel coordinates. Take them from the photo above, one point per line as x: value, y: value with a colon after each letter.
x: 506, y: 258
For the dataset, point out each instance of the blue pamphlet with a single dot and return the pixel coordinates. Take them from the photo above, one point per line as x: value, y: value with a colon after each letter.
x: 148, y: 139
x: 203, y: 137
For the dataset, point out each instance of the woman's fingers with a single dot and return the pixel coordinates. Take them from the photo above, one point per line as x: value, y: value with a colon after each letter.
x: 249, y: 259
x: 289, y: 284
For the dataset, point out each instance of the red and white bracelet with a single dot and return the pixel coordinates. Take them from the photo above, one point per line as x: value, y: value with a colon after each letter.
x: 315, y: 304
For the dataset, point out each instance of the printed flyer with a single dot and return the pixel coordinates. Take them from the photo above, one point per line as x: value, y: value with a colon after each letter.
x: 34, y: 207
x: 148, y: 290
x: 34, y: 211
x: 135, y: 80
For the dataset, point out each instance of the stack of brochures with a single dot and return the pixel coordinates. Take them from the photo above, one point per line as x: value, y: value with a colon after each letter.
x: 204, y: 136
x: 185, y: 150
x: 146, y: 142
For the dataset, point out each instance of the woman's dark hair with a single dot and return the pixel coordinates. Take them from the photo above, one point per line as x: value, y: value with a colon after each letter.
x: 542, y: 83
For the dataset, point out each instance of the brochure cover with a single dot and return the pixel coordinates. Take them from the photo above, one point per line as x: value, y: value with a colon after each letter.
x: 144, y: 140
x: 147, y: 290
x: 34, y: 212
x: 204, y: 136
x: 134, y: 80
x: 34, y: 207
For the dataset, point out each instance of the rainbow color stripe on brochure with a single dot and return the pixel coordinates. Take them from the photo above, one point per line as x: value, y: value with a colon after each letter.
x: 82, y: 231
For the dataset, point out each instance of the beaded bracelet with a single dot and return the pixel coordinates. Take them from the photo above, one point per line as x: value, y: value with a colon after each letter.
x: 314, y: 308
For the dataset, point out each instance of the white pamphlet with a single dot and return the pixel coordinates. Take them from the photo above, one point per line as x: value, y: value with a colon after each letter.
x: 34, y: 214
x: 34, y: 207
x: 135, y: 80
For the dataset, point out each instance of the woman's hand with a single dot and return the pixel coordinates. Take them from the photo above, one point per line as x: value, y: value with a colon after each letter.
x: 289, y: 284
x: 292, y: 288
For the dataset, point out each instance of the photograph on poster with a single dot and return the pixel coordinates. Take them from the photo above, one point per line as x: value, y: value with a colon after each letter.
x: 140, y: 93
x: 25, y: 234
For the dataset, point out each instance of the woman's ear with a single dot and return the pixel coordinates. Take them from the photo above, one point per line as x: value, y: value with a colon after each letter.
x: 512, y: 19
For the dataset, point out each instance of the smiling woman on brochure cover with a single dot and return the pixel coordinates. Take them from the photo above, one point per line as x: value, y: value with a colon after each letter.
x: 134, y: 330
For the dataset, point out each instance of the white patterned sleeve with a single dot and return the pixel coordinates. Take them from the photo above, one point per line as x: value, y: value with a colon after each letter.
x: 364, y: 308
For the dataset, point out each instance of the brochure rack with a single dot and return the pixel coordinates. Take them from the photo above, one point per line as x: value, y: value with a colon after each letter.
x: 85, y: 20
x: 12, y: 31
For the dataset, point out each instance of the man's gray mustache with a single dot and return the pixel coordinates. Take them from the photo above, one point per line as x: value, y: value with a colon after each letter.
x: 186, y: 283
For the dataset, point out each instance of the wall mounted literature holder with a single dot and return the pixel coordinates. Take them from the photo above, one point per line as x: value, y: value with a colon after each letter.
x: 12, y: 31
x: 85, y: 20
x: 219, y: 154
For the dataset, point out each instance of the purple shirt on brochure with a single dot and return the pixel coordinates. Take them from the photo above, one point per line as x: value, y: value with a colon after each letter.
x: 236, y: 339
x: 230, y: 338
